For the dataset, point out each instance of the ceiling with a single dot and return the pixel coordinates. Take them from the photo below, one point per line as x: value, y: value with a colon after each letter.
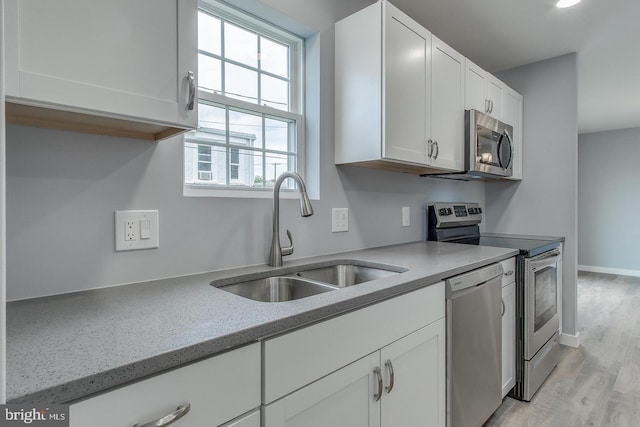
x: 502, y: 34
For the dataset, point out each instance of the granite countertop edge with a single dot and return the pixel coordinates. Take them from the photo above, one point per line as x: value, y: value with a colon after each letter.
x: 100, y: 380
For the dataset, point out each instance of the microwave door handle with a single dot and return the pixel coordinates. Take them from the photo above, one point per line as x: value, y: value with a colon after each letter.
x: 498, y: 150
x: 510, y: 141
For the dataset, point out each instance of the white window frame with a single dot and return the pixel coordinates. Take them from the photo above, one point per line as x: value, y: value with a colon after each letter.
x: 296, y: 102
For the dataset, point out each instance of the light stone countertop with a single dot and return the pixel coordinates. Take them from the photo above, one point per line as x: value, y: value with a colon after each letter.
x: 67, y: 347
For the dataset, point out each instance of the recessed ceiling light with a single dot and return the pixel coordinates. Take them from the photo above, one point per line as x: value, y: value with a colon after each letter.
x: 567, y: 3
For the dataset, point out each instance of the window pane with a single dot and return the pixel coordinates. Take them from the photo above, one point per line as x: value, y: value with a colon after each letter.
x: 234, y: 156
x: 204, y: 166
x: 245, y: 129
x: 211, y: 123
x: 209, y: 73
x: 275, y: 164
x: 241, y: 83
x: 213, y: 172
x: 240, y: 45
x: 274, y: 57
x: 275, y: 93
x: 277, y: 135
x: 209, y: 33
x: 244, y: 172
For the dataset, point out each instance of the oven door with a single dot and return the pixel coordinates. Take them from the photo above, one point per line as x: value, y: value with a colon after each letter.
x: 541, y: 319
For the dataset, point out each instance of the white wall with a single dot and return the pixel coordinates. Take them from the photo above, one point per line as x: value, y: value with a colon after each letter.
x: 544, y: 202
x: 63, y: 187
x: 608, y: 202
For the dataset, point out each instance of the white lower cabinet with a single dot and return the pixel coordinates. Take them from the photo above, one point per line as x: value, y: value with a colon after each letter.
x: 343, y: 398
x: 508, y: 338
x: 417, y: 361
x: 403, y: 384
x: 249, y: 420
x: 217, y: 390
x: 383, y: 365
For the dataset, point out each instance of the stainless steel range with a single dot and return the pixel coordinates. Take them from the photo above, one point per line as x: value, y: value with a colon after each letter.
x: 538, y: 281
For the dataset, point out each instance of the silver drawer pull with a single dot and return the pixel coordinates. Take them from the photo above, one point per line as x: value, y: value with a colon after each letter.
x: 192, y: 90
x: 509, y: 273
x: 377, y: 395
x: 503, y: 309
x: 180, y: 412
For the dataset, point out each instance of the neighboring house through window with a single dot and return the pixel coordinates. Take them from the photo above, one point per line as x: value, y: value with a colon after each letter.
x: 249, y: 107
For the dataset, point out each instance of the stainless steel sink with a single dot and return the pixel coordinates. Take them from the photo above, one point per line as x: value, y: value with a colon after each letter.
x: 343, y: 275
x: 277, y: 289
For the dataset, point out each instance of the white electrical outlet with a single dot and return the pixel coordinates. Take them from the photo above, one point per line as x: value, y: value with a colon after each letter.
x: 339, y: 220
x: 406, y: 216
x: 136, y: 230
x: 129, y: 230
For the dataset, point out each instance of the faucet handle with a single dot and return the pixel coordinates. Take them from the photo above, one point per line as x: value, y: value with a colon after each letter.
x: 288, y: 250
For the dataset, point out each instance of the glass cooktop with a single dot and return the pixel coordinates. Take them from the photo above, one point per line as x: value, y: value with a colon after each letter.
x: 527, y: 247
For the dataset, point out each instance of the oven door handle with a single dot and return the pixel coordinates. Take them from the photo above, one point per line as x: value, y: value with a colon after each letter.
x: 551, y: 258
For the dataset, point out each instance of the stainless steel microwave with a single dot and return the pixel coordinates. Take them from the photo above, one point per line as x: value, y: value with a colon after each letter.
x: 489, y: 147
x: 488, y: 152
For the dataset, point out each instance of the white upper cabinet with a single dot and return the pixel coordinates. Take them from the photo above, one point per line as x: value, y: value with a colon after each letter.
x: 407, y: 85
x: 495, y: 96
x: 447, y: 106
x: 118, y: 64
x: 483, y: 91
x: 399, y: 94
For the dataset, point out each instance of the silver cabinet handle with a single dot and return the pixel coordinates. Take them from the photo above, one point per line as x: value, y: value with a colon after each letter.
x: 377, y: 395
x: 389, y: 366
x: 509, y: 273
x: 192, y: 90
x: 503, y: 309
x: 430, y: 145
x: 486, y: 106
x: 180, y: 412
x: 491, y: 106
x: 435, y: 156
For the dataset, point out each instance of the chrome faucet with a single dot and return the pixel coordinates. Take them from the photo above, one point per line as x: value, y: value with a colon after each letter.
x: 277, y: 252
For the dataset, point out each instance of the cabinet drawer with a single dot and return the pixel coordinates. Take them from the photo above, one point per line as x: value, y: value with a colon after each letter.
x: 218, y: 389
x: 301, y: 357
x: 509, y: 267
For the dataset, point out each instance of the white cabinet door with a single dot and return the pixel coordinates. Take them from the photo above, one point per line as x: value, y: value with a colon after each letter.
x: 495, y: 95
x: 251, y: 420
x: 343, y: 399
x: 117, y: 58
x: 447, y: 107
x: 417, y: 361
x: 475, y: 97
x: 508, y: 338
x: 218, y: 389
x: 407, y: 80
x: 512, y: 115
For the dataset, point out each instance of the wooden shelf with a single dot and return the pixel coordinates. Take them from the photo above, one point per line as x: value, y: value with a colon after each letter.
x: 30, y: 115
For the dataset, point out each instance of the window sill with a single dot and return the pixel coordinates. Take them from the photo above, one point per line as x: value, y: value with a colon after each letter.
x: 189, y: 191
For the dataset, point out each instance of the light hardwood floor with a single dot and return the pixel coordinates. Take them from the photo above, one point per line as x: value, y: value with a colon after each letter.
x: 597, y: 384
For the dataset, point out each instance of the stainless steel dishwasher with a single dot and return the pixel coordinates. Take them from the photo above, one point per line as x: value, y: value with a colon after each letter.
x: 474, y: 346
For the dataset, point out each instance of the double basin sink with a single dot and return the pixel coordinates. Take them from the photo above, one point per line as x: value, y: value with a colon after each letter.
x: 307, y: 281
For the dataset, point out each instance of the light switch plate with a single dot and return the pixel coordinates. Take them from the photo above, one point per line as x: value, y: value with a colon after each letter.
x: 339, y: 220
x: 136, y: 230
x: 406, y: 216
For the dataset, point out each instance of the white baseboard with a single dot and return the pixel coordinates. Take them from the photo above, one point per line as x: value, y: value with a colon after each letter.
x: 570, y: 340
x: 607, y: 270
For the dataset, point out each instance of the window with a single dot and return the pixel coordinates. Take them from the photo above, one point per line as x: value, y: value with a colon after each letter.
x: 249, y: 104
